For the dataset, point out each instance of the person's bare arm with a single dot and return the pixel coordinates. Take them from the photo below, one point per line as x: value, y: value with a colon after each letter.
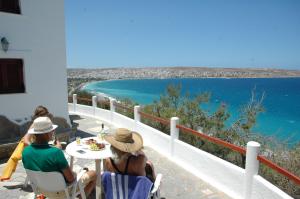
x: 68, y: 174
x: 58, y: 144
x: 27, y: 139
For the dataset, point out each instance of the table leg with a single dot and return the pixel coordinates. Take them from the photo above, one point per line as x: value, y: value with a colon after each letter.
x: 98, y: 182
x: 71, y: 162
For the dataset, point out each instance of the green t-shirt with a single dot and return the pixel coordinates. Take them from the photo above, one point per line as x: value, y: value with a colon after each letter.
x: 43, y: 157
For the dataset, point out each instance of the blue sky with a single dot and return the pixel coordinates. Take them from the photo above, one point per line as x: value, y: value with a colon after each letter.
x: 216, y: 33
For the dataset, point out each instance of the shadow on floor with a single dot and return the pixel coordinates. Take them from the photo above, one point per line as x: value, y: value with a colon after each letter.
x: 83, y: 134
x: 75, y: 117
x: 20, y: 187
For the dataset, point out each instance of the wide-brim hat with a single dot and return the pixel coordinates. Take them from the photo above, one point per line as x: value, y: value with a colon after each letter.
x: 125, y: 140
x: 42, y: 125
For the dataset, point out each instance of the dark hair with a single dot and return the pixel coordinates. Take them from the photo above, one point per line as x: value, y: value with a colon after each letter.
x: 41, y: 111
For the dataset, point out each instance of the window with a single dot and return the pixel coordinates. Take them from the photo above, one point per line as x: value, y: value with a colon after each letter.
x: 11, y: 6
x: 11, y: 76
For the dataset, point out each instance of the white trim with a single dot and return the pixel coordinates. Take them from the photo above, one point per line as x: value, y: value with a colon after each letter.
x: 113, y: 182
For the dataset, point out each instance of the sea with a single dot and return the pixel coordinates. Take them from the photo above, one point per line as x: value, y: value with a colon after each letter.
x: 281, y: 118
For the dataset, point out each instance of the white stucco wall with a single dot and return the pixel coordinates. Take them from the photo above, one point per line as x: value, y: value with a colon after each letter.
x: 38, y: 37
x: 264, y: 189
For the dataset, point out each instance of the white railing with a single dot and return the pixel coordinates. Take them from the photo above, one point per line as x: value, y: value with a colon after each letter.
x: 229, y: 178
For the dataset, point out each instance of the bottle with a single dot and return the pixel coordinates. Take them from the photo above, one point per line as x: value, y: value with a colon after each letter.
x: 100, y: 135
x: 102, y: 131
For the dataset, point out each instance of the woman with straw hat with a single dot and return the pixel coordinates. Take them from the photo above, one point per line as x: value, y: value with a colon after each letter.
x: 128, y: 159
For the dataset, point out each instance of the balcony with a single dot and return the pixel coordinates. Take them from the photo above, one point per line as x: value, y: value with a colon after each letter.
x: 230, y: 179
x: 176, y: 182
x: 188, y: 172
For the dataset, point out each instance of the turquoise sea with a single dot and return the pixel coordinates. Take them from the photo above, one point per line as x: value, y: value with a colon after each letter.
x: 282, y: 98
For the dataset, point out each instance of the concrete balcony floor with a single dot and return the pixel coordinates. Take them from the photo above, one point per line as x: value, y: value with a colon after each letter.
x: 176, y: 182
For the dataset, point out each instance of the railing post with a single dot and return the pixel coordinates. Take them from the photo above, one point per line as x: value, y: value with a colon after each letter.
x: 252, y: 165
x: 137, y: 116
x: 74, y: 102
x: 174, y: 132
x: 112, y: 108
x: 94, y: 103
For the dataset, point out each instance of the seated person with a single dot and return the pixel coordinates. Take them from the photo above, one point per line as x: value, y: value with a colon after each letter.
x: 12, y: 163
x: 40, y: 111
x: 128, y: 159
x: 40, y: 156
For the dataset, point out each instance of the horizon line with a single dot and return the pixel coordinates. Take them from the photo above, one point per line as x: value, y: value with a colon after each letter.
x: 207, y: 67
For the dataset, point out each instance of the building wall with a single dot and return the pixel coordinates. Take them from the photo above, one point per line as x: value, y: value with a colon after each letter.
x: 38, y: 37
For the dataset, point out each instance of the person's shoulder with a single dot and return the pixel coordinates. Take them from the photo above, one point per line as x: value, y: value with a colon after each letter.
x: 51, y: 150
x: 56, y: 150
x: 137, y: 164
x: 141, y: 157
x: 55, y: 153
x: 27, y: 149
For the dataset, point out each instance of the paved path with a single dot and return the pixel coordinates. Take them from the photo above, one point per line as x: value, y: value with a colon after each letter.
x: 176, y: 182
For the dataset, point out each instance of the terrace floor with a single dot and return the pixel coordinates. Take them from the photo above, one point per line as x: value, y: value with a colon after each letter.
x: 176, y: 182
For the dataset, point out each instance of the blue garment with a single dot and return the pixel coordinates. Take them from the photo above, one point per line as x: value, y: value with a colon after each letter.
x: 118, y: 186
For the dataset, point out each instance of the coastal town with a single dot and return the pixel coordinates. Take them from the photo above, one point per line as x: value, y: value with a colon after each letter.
x: 78, y: 77
x: 179, y: 72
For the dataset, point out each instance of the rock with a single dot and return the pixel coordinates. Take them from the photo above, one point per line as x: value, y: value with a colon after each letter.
x: 9, y: 130
x: 64, y: 131
x: 24, y: 128
x: 61, y: 122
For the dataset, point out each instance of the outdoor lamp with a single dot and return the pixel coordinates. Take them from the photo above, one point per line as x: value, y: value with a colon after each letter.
x: 4, y: 44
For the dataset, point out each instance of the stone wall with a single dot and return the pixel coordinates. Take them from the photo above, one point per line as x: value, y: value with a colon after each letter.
x: 8, y: 130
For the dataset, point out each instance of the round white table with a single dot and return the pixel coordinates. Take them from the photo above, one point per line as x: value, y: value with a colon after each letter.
x: 83, y: 151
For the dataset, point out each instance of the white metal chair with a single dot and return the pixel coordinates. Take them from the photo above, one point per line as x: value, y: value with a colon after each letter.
x: 155, y: 191
x: 117, y: 186
x: 54, y: 182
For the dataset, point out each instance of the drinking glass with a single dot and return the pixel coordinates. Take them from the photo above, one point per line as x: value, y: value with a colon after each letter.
x: 78, y: 140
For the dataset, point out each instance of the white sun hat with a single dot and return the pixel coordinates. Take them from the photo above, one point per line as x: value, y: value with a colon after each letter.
x: 42, y: 125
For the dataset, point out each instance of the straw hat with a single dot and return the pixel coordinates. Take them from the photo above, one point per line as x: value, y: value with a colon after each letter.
x: 42, y: 125
x: 125, y: 140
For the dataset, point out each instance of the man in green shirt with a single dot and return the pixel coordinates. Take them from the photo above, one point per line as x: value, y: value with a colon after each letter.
x: 40, y: 156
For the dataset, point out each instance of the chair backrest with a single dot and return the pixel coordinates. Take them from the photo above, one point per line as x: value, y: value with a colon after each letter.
x: 117, y: 186
x: 47, y: 181
x: 42, y: 182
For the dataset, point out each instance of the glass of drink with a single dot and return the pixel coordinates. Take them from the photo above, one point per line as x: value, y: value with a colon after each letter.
x: 100, y: 136
x: 78, y: 140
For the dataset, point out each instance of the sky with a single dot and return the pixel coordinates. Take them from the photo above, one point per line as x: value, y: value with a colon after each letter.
x: 155, y: 33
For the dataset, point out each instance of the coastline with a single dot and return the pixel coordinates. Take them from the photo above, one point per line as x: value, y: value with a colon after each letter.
x: 284, y: 97
x: 98, y: 94
x: 84, y: 84
x: 79, y: 78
